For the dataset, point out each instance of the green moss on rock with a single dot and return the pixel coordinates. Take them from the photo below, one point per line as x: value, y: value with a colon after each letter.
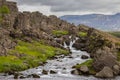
x: 4, y: 10
x: 82, y: 34
x: 59, y: 33
x: 88, y: 63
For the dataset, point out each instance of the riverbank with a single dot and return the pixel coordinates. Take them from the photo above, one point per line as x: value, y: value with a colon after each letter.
x: 28, y: 55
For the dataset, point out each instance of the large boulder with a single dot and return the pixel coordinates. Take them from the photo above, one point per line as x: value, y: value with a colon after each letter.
x: 106, y: 72
x: 116, y: 69
x: 84, y: 69
x: 104, y: 59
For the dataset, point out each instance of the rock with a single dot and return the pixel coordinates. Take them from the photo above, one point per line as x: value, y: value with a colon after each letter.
x: 70, y: 56
x: 104, y: 59
x: 41, y: 63
x: 16, y: 75
x: 44, y: 72
x: 11, y: 72
x: 106, y: 72
x: 84, y: 57
x: 116, y: 69
x: 75, y: 72
x: 84, y: 69
x: 35, y: 75
x: 22, y: 77
x: 52, y: 72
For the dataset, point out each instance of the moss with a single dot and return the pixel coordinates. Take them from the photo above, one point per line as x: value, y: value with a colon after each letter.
x: 59, y: 33
x: 88, y: 63
x: 28, y: 55
x: 4, y: 10
x: 82, y: 34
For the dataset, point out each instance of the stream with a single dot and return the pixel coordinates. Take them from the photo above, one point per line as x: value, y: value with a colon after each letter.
x: 62, y: 67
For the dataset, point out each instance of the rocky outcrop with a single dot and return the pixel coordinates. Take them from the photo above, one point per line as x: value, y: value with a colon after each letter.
x: 105, y: 73
x: 2, y: 2
x: 104, y: 58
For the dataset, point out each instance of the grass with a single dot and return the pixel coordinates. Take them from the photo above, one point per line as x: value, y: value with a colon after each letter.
x: 116, y: 33
x: 88, y: 63
x: 59, y: 33
x: 82, y: 34
x: 11, y: 63
x: 118, y: 56
x: 28, y: 55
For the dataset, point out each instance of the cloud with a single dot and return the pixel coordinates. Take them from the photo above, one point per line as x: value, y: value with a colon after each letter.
x: 73, y: 6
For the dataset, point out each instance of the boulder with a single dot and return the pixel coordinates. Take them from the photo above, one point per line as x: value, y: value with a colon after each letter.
x: 35, y: 75
x: 104, y: 59
x: 22, y: 77
x: 44, y: 72
x: 106, y: 72
x: 16, y: 75
x: 116, y: 69
x: 84, y: 57
x: 84, y: 69
x: 75, y: 72
x: 52, y: 72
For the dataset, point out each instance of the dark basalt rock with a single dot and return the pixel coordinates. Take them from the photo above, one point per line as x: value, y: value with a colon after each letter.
x: 84, y: 57
x: 35, y: 75
x: 52, y: 72
x: 44, y: 72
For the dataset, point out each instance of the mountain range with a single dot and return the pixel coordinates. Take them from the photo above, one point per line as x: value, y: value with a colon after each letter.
x: 98, y: 21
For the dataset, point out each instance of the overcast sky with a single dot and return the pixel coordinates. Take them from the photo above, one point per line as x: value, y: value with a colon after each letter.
x: 70, y: 7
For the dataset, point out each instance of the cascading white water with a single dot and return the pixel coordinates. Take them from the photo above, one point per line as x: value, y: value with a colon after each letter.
x: 62, y: 65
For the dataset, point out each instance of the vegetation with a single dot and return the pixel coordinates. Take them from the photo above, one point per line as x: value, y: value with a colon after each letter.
x: 117, y: 34
x: 118, y: 56
x: 28, y: 55
x: 82, y: 34
x: 3, y: 10
x: 88, y: 63
x: 59, y: 33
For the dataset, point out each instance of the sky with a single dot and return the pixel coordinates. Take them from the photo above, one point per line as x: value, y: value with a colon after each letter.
x: 70, y: 7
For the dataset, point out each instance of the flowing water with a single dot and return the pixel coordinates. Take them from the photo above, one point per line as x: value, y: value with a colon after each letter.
x: 62, y: 66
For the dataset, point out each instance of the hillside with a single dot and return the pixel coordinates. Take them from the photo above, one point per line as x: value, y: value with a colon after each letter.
x: 98, y: 21
x: 29, y: 39
x: 115, y: 33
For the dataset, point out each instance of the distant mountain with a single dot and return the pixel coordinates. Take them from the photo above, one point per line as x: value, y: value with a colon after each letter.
x: 98, y: 21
